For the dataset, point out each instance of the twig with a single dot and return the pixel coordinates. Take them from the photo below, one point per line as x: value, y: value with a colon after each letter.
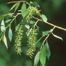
x: 18, y: 1
x: 4, y: 15
x: 58, y: 27
x: 14, y: 2
x: 36, y: 22
x: 33, y: 26
x: 47, y: 36
x: 45, y: 40
x: 12, y: 20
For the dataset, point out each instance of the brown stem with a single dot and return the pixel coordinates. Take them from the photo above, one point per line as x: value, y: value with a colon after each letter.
x: 45, y: 40
x: 19, y: 1
x: 58, y: 27
x: 47, y: 37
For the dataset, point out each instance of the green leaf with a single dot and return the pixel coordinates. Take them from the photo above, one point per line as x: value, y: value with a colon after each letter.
x: 10, y: 34
x: 43, y: 56
x: 27, y: 26
x: 35, y: 3
x: 39, y: 40
x: 3, y: 28
x: 44, y: 18
x: 23, y: 10
x: 38, y: 43
x: 7, y: 21
x: 5, y: 41
x: 45, y: 33
x: 57, y: 37
x: 47, y: 50
x: 15, y: 6
x: 5, y: 15
x: 36, y: 60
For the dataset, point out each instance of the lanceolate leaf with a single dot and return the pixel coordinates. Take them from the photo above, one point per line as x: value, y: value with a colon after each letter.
x: 10, y: 34
x: 47, y: 50
x: 3, y: 28
x: 23, y: 10
x: 44, y: 18
x: 45, y: 33
x: 27, y: 26
x: 13, y: 6
x: 57, y: 36
x: 43, y: 56
x: 39, y: 40
x: 36, y: 60
x: 17, y: 5
x: 7, y: 21
x: 5, y: 41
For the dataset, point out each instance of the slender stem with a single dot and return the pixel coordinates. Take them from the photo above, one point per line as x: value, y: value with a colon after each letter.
x: 12, y: 20
x: 47, y: 37
x: 45, y: 40
x: 53, y: 25
x: 4, y: 15
x: 36, y: 22
x: 33, y: 26
x: 58, y: 27
x: 18, y: 1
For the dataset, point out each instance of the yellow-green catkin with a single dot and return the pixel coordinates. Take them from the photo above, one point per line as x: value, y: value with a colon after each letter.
x: 18, y: 38
x: 31, y: 43
x: 32, y: 10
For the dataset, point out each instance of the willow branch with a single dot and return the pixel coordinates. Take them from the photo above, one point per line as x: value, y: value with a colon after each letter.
x: 19, y: 1
x: 53, y: 25
x: 58, y: 27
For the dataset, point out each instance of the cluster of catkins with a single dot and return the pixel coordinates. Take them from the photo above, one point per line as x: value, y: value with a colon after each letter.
x: 18, y: 38
x: 31, y: 38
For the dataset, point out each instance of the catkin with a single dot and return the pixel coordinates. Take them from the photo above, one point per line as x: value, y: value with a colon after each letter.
x: 18, y: 38
x: 31, y: 43
x: 32, y: 10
